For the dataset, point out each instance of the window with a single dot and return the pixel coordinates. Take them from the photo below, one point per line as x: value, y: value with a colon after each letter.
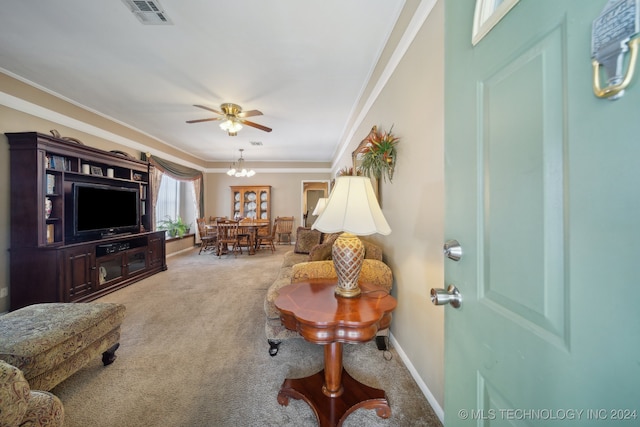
x: 487, y: 14
x: 176, y: 199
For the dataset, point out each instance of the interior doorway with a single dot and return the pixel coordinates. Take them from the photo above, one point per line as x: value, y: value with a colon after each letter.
x: 311, y: 192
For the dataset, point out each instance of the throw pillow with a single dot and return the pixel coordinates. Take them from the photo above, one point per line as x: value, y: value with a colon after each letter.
x: 322, y: 252
x: 372, y: 251
x: 306, y: 239
x: 329, y: 237
x: 14, y: 395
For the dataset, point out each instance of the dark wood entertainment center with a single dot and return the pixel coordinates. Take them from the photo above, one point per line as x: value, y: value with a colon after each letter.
x: 49, y: 262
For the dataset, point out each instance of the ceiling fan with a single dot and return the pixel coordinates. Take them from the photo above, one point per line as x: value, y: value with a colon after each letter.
x: 232, y: 118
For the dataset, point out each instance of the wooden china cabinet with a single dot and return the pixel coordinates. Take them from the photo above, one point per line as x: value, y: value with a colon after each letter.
x: 61, y: 252
x: 251, y: 202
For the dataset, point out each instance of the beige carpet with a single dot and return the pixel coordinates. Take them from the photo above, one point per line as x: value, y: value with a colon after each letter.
x: 193, y: 353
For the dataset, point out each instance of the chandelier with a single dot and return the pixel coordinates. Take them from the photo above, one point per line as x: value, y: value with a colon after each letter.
x: 238, y: 170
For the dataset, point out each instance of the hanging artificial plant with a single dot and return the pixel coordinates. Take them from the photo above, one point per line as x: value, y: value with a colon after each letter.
x: 345, y: 171
x: 379, y: 155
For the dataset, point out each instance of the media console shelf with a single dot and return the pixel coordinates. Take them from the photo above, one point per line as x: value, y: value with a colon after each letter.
x: 52, y: 257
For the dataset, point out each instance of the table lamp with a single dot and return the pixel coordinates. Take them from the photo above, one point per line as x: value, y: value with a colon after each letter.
x: 322, y: 203
x: 352, y: 208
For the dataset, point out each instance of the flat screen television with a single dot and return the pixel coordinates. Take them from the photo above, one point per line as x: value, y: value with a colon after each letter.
x: 103, y: 210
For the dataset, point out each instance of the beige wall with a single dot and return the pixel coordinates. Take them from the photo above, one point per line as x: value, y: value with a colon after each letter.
x: 286, y: 192
x: 412, y: 102
x: 179, y: 244
x: 70, y: 120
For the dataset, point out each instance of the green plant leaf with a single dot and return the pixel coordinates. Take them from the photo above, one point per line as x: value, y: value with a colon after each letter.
x: 379, y: 156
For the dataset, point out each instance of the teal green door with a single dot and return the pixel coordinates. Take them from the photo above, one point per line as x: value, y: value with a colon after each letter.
x: 543, y: 194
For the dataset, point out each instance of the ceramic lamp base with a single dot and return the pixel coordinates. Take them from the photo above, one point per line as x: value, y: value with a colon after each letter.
x: 348, y: 257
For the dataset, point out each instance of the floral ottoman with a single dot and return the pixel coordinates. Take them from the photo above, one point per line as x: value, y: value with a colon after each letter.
x: 50, y: 342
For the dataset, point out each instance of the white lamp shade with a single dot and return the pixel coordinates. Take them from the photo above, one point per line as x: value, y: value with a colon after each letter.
x: 352, y: 207
x: 322, y: 203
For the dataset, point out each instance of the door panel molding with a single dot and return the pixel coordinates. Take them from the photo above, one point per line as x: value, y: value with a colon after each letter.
x: 521, y: 171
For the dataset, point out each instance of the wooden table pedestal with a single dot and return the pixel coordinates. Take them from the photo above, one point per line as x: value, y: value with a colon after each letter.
x: 332, y: 404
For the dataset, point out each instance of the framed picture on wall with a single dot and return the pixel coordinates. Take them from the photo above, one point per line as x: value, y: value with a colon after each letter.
x: 487, y: 14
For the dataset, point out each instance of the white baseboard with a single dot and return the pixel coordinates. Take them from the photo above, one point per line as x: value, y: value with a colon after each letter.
x: 423, y: 387
x: 190, y: 248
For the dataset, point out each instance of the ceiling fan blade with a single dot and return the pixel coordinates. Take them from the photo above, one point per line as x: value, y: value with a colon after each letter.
x: 212, y: 119
x: 250, y: 113
x: 208, y: 109
x: 255, y: 125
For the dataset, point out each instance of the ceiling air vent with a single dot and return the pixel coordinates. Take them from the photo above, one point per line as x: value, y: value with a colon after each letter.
x: 148, y: 12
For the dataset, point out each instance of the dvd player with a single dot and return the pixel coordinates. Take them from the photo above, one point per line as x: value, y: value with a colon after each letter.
x: 111, y: 248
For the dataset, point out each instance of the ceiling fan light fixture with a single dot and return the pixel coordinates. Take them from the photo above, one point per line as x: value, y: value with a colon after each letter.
x: 231, y: 125
x: 232, y: 118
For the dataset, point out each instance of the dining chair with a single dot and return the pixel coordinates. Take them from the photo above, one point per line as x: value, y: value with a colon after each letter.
x: 284, y: 228
x: 208, y: 238
x: 214, y: 219
x: 265, y: 230
x: 245, y: 239
x: 268, y: 239
x: 228, y: 235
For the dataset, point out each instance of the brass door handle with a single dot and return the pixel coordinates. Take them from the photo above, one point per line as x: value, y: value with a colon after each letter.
x: 615, y: 91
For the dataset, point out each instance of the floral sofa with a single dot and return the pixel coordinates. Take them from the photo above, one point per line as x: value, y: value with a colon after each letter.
x: 21, y: 406
x: 311, y: 259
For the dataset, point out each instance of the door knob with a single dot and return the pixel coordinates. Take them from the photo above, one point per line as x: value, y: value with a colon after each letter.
x: 453, y: 250
x: 449, y: 296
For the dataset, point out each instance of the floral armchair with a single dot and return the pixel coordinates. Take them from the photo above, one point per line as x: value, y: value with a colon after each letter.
x: 21, y: 406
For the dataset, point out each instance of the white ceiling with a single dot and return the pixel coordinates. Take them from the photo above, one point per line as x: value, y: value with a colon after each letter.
x: 303, y: 63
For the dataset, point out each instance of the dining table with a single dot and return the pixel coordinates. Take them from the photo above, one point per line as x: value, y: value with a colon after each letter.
x: 250, y: 228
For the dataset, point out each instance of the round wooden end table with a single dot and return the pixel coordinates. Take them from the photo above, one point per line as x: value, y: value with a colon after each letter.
x: 321, y: 317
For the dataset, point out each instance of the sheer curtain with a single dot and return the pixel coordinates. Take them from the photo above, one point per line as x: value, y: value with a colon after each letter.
x: 182, y: 173
x: 156, y: 179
